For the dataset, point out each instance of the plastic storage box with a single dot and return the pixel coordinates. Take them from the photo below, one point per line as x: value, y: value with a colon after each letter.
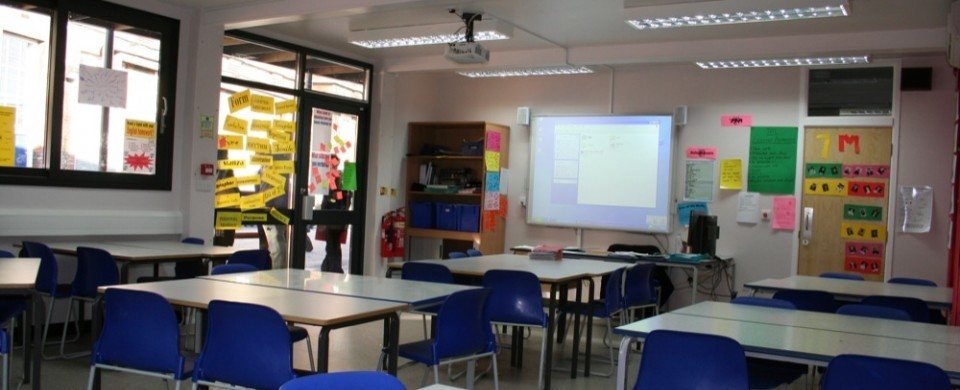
x: 447, y: 216
x: 469, y: 218
x: 421, y: 215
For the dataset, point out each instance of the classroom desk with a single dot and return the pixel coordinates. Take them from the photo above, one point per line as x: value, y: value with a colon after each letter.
x: 855, y: 290
x: 766, y: 336
x: 553, y: 273
x: 325, y: 310
x: 18, y: 276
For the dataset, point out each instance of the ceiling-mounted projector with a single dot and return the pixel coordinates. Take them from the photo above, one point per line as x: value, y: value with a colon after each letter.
x: 467, y: 53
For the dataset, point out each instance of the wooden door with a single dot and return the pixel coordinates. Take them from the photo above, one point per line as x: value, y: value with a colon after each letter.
x: 843, y: 212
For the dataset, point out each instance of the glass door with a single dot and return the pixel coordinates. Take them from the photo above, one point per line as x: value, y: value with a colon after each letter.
x: 329, y: 228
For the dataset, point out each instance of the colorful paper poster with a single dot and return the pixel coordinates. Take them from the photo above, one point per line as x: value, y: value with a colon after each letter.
x: 818, y: 170
x: 867, y: 171
x: 773, y: 160
x: 491, y: 160
x: 492, y: 182
x: 917, y: 205
x: 863, y: 265
x: 864, y: 249
x: 493, y: 141
x: 228, y: 220
x: 855, y: 212
x: 863, y: 231
x: 261, y: 103
x: 140, y: 147
x: 239, y: 100
x: 229, y: 142
x: 102, y: 87
x: 736, y: 120
x: 208, y: 127
x: 784, y: 213
x: 867, y: 189
x: 698, y: 182
x: 731, y: 174
x: 286, y: 107
x: 491, y: 201
x: 279, y: 216
x: 830, y: 187
x: 489, y: 222
x: 748, y: 207
x: 349, y: 178
x: 235, y: 125
x: 8, y: 116
x: 684, y: 209
x: 504, y: 180
x: 702, y: 152
x: 502, y: 212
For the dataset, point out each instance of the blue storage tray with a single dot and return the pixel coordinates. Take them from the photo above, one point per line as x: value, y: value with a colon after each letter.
x: 421, y: 215
x: 469, y: 218
x: 447, y: 216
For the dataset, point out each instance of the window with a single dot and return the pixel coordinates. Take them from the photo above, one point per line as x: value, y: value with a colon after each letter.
x: 336, y: 79
x: 111, y: 102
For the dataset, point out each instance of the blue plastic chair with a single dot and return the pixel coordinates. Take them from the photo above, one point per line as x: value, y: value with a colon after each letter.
x: 638, y: 290
x: 48, y: 286
x: 6, y: 255
x: 350, y: 380
x: 463, y: 333
x: 474, y: 253
x: 765, y: 374
x: 247, y: 345
x: 457, y: 255
x: 764, y: 302
x: 874, y: 311
x: 606, y: 308
x: 95, y: 268
x: 841, y: 275
x: 810, y: 300
x: 297, y: 333
x: 259, y: 258
x: 140, y: 335
x: 426, y: 272
x: 858, y: 372
x: 913, y: 281
x: 516, y: 300
x: 916, y: 308
x: 681, y: 360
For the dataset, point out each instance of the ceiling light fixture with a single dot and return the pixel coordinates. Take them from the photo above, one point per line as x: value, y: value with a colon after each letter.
x: 798, y: 61
x: 433, y: 34
x: 534, y: 71
x: 732, y: 12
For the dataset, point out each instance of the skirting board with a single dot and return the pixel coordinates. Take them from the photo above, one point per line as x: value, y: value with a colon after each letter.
x: 36, y: 222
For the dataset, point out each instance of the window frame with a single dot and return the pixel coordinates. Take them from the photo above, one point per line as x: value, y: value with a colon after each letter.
x: 53, y: 175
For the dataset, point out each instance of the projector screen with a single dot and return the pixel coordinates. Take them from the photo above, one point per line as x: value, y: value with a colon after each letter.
x: 602, y: 172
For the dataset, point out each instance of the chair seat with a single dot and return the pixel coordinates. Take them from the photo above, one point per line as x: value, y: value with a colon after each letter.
x: 430, y: 309
x: 63, y: 290
x: 595, y: 308
x: 418, y: 351
x: 297, y: 333
x: 766, y: 374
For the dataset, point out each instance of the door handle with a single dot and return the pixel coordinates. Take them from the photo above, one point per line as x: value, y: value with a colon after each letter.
x: 307, y: 207
x: 806, y: 230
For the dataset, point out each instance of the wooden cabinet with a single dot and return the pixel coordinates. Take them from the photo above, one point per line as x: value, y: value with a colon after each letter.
x: 454, y: 152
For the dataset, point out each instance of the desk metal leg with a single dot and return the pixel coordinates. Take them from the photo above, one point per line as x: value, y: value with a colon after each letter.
x: 393, y: 345
x: 696, y: 285
x: 96, y: 325
x: 551, y: 328
x: 32, y: 353
x: 623, y: 362
x: 199, y: 329
x: 588, y: 348
x: 576, y: 333
x: 124, y: 272
x: 323, y: 351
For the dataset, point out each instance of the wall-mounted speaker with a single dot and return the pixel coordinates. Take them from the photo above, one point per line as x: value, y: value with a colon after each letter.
x: 680, y: 116
x: 523, y: 116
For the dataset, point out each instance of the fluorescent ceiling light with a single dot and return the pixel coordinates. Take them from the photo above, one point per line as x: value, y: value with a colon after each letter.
x: 520, y: 72
x: 432, y: 34
x: 768, y: 63
x: 733, y: 12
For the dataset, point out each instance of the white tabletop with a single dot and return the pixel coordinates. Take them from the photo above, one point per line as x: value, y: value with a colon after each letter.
x: 295, y: 306
x: 18, y: 273
x: 812, y: 345
x: 409, y: 292
x: 548, y: 271
x: 140, y: 251
x: 179, y: 247
x: 826, y: 321
x: 938, y: 297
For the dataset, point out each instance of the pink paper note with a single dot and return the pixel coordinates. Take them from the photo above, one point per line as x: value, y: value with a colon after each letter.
x: 736, y: 120
x: 784, y: 213
x: 493, y: 141
x: 702, y: 152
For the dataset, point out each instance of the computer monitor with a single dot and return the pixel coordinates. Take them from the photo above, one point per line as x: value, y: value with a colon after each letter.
x: 703, y: 234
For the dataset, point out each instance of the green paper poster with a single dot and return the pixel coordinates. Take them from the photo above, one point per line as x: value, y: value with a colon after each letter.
x: 773, y: 160
x: 349, y: 179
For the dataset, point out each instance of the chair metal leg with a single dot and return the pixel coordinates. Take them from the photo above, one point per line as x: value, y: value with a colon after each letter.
x: 46, y: 327
x: 63, y: 335
x: 471, y: 373
x: 313, y: 365
x: 6, y: 372
x: 93, y: 372
x: 177, y: 386
x: 436, y: 374
x: 543, y: 362
x: 194, y: 387
x: 496, y: 375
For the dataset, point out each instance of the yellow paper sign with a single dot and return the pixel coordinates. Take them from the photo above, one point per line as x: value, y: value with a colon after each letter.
x: 140, y: 129
x: 284, y: 147
x: 259, y: 145
x: 234, y: 124
x: 274, y: 179
x: 283, y: 167
x: 228, y: 220
x: 262, y: 160
x: 279, y: 216
x: 254, y: 217
x: 230, y: 142
x: 273, y: 193
x: 239, y: 101
x: 8, y: 116
x: 232, y: 164
x: 254, y: 201
x: 731, y: 174
x: 863, y: 231
x: 819, y: 186
x: 253, y: 180
x: 227, y: 200
x: 492, y: 160
x: 286, y: 107
x: 261, y: 103
x: 226, y: 184
x: 261, y: 125
x: 282, y: 125
x: 280, y: 136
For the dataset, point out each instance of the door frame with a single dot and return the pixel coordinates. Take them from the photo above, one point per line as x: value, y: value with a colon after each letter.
x: 839, y: 121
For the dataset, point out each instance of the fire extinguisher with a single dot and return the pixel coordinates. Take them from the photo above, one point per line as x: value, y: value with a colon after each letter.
x: 392, y: 226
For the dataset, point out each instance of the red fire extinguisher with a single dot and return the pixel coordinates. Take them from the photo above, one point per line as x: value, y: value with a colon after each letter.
x: 392, y: 226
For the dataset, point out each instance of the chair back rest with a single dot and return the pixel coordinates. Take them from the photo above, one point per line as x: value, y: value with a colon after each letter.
x: 6, y: 255
x: 193, y: 240
x: 810, y: 300
x: 874, y: 311
x: 638, y: 287
x: 764, y: 302
x: 913, y: 281
x: 916, y: 308
x: 232, y: 269
x: 345, y: 381
x: 457, y: 255
x: 47, y: 275
x: 681, y: 360
x: 474, y: 253
x: 247, y: 345
x: 463, y: 327
x: 4, y: 345
x: 426, y: 272
x: 95, y: 268
x: 877, y: 373
x: 613, y: 291
x: 140, y: 331
x: 259, y: 258
x: 841, y: 275
x: 515, y: 297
